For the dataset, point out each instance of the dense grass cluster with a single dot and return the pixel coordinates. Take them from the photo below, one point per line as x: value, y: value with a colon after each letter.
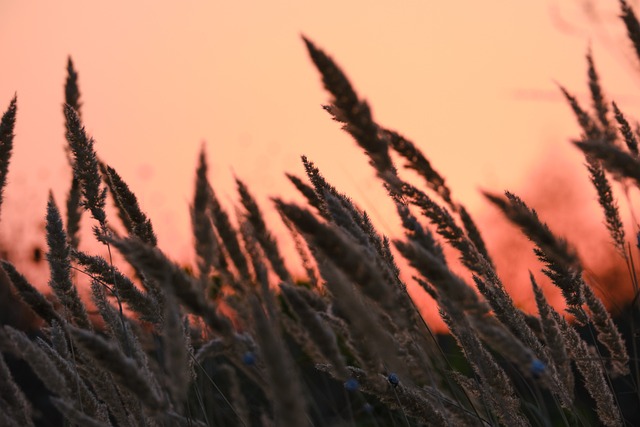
x: 239, y: 340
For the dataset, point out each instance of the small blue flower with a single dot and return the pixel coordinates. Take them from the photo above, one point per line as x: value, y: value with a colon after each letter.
x: 537, y: 368
x: 351, y: 384
x: 393, y: 379
x: 249, y: 358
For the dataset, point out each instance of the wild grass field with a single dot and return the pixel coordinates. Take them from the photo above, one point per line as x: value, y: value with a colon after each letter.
x: 239, y: 340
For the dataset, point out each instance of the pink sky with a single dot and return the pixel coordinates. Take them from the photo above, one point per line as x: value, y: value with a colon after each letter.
x: 472, y: 83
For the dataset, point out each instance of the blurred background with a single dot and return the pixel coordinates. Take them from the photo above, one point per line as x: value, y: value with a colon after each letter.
x: 473, y: 84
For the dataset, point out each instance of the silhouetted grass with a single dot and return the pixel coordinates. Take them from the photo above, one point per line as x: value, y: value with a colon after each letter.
x: 240, y: 340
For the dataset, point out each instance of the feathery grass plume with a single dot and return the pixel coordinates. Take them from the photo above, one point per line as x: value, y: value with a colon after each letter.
x: 340, y: 216
x: 286, y: 390
x: 256, y: 257
x: 554, y: 339
x: 609, y: 206
x: 633, y: 26
x: 498, y: 337
x: 316, y: 298
x: 473, y: 233
x: 78, y: 390
x: 105, y: 388
x: 613, y: 159
x: 207, y: 247
x: 628, y: 135
x: 59, y: 340
x: 417, y: 161
x: 531, y: 358
x: 307, y: 191
x: 176, y: 357
x: 487, y: 279
x: 37, y: 359
x: 134, y: 220
x: 188, y: 332
x: 388, y: 256
x: 447, y: 285
x: 153, y: 263
x: 603, y: 132
x: 71, y: 89
x: 29, y: 294
x: 74, y: 210
x: 446, y: 227
x: 236, y: 300
x: 17, y: 406
x: 74, y: 213
x: 599, y: 103
x: 60, y: 266
x: 593, y: 132
x: 300, y: 335
x: 474, y: 389
x: 415, y: 403
x: 144, y: 304
x: 136, y: 413
x: 430, y: 290
x: 85, y: 166
x: 418, y: 234
x: 376, y: 348
x: 319, y: 332
x: 235, y: 348
x: 340, y: 209
x: 593, y: 374
x: 507, y: 313
x: 76, y: 416
x: 349, y: 347
x: 608, y: 333
x: 226, y: 231
x: 304, y: 252
x: 535, y: 324
x: 320, y: 186
x: 589, y: 127
x: 7, y: 125
x: 118, y: 327
x: 443, y: 280
x: 381, y: 246
x: 262, y: 234
x: 496, y: 388
x: 124, y: 370
x: 563, y: 265
x: 466, y: 417
x: 350, y: 258
x: 355, y: 113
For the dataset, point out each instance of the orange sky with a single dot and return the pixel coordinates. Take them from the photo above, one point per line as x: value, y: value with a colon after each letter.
x: 472, y: 83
